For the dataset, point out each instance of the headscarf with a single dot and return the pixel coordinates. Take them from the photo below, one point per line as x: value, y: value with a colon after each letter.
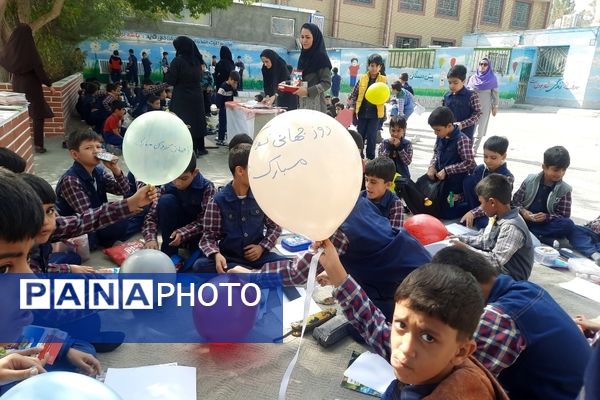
x: 315, y: 58
x: 20, y: 53
x: 484, y: 80
x: 225, y: 54
x: 277, y: 73
x: 187, y: 49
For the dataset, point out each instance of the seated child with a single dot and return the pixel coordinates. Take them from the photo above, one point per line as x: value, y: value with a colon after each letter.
x: 586, y: 239
x: 506, y: 242
x: 12, y: 161
x: 259, y: 98
x: 338, y: 107
x: 463, y: 102
x: 589, y: 327
x: 234, y: 224
x: 430, y: 342
x: 524, y: 338
x: 405, y: 101
x: 379, y: 175
x: 112, y: 131
x: 452, y: 160
x: 239, y: 139
x: 85, y: 185
x: 179, y: 212
x: 149, y: 88
x: 544, y: 199
x: 154, y: 103
x: 397, y: 147
x: 494, y: 161
x: 224, y: 94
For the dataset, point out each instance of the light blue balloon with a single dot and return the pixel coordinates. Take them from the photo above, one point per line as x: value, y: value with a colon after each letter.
x: 61, y: 386
x: 148, y: 261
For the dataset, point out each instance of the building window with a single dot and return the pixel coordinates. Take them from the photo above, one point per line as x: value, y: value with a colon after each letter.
x: 442, y: 43
x: 422, y: 58
x: 447, y: 8
x: 520, y: 17
x: 492, y: 12
x: 282, y: 26
x: 412, y: 5
x: 365, y: 2
x: 407, y: 42
x: 498, y: 57
x: 551, y: 61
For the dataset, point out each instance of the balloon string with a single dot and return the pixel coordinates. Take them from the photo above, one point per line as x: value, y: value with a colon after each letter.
x: 310, y: 288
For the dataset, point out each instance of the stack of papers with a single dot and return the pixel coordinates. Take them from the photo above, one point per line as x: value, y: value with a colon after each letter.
x: 372, y: 371
x: 12, y: 99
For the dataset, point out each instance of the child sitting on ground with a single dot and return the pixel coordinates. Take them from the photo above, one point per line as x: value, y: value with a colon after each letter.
x: 463, y: 102
x: 397, y: 147
x: 179, y: 212
x: 379, y: 176
x: 506, y: 242
x: 154, y: 103
x: 586, y: 239
x: 224, y: 94
x: 112, y: 131
x: 494, y: 161
x: 544, y: 199
x: 405, y: 102
x: 234, y: 223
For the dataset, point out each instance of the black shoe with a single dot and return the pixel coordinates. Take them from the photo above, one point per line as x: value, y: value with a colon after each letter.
x: 202, y: 152
x: 40, y: 149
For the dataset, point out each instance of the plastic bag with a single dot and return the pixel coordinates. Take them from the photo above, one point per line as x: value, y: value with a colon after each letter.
x: 119, y: 253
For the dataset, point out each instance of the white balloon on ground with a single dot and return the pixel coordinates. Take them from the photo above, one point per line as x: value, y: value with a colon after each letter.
x: 148, y: 261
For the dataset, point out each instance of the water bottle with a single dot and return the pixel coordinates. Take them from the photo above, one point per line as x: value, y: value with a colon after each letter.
x: 556, y: 244
x: 451, y: 199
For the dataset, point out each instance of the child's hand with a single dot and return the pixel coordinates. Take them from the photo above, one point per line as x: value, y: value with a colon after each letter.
x: 21, y: 365
x: 113, y: 166
x: 176, y: 242
x: 587, y: 324
x: 87, y: 363
x: 144, y: 196
x: 301, y: 92
x: 151, y: 244
x: 467, y: 219
x: 456, y: 242
x: 238, y: 269
x: 323, y: 279
x: 330, y: 260
x: 539, y: 217
x: 220, y: 263
x: 253, y: 252
x: 82, y: 269
x: 441, y: 175
x: 394, y: 141
x: 431, y: 172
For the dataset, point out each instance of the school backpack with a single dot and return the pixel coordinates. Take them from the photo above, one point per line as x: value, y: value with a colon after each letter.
x: 420, y: 197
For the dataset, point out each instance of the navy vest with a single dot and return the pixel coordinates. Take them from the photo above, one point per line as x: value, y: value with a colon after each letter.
x: 97, y: 195
x: 379, y: 257
x: 401, y: 168
x: 481, y: 171
x: 540, y: 201
x: 190, y: 199
x: 242, y: 220
x: 556, y: 354
x: 460, y: 104
x: 384, y: 205
x: 447, y: 149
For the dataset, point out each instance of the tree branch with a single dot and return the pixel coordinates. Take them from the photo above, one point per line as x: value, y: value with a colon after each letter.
x: 24, y: 11
x: 49, y: 16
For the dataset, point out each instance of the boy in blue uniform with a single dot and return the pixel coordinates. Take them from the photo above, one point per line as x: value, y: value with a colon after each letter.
x: 494, y: 162
x: 179, y: 212
x: 452, y: 160
x: 463, y: 102
x: 234, y: 224
x: 379, y: 175
x: 224, y: 94
x: 545, y: 199
x: 398, y: 147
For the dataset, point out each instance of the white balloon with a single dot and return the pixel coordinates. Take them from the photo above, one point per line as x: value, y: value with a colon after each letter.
x: 61, y: 386
x: 148, y: 261
x: 157, y: 147
x: 305, y: 172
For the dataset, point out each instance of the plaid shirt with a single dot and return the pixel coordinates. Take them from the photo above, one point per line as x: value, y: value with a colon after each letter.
x: 562, y: 209
x: 108, y: 100
x: 155, y: 89
x: 478, y: 211
x: 213, y: 231
x: 475, y: 105
x: 465, y: 152
x: 594, y: 225
x: 194, y: 228
x: 397, y: 215
x: 75, y: 196
x: 386, y: 149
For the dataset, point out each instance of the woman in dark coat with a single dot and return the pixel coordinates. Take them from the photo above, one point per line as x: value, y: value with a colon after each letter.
x: 187, y: 100
x: 274, y: 71
x: 21, y: 58
x: 223, y: 67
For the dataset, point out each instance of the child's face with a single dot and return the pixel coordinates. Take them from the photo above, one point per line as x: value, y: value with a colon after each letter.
x: 488, y: 206
x: 492, y: 159
x: 162, y: 95
x: 442, y: 131
x: 184, y: 180
x: 14, y: 256
x: 354, y: 62
x: 86, y: 155
x: 552, y: 173
x: 424, y: 349
x: 455, y: 84
x: 120, y: 112
x: 156, y: 105
x: 376, y: 187
x: 397, y: 132
x: 49, y: 224
x: 374, y: 69
x: 232, y: 83
x: 328, y: 100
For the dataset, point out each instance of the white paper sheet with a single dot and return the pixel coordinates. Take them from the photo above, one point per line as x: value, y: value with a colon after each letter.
x: 294, y: 310
x: 583, y: 288
x: 164, y: 382
x: 433, y: 248
x: 458, y: 229
x: 371, y: 370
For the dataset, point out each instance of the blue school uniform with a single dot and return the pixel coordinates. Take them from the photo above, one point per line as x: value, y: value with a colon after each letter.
x: 224, y: 94
x: 460, y: 104
x: 384, y: 205
x: 480, y: 172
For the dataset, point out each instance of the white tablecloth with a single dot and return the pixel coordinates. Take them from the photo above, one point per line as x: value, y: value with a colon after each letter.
x: 242, y: 119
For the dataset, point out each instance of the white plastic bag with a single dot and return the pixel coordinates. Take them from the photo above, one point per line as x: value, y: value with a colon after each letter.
x: 419, y: 109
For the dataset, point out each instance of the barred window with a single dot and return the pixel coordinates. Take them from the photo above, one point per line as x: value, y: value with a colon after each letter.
x: 498, y: 57
x: 282, y: 26
x: 551, y: 61
x: 520, y: 16
x: 407, y: 42
x: 411, y: 5
x: 492, y: 11
x: 369, y: 2
x: 442, y: 43
x: 447, y: 8
x: 422, y: 58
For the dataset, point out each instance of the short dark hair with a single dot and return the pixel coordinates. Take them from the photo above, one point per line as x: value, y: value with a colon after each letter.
x: 41, y: 187
x: 131, y: 51
x: 115, y: 52
x: 404, y: 76
x: 335, y: 100
x: 444, y: 292
x: 335, y: 70
x: 259, y: 97
x: 239, y: 139
x: 76, y: 138
x: 354, y: 58
x: 238, y: 156
x: 358, y: 139
x: 117, y: 105
x: 458, y: 71
x: 12, y: 161
x: 152, y: 98
x: 339, y: 105
x: 111, y: 86
x: 234, y: 75
x: 441, y: 116
x: 467, y: 260
x: 144, y: 53
x: 557, y: 156
x: 397, y: 86
x: 497, y: 144
x: 192, y: 165
x: 495, y: 186
x: 165, y: 53
x: 21, y: 212
x: 375, y: 59
x: 147, y: 82
x: 398, y: 121
x: 381, y: 167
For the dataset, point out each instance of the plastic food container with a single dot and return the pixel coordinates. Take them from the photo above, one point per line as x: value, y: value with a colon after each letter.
x: 545, y: 255
x: 295, y: 243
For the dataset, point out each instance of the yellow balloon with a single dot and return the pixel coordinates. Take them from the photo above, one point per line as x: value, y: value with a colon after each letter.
x: 378, y: 93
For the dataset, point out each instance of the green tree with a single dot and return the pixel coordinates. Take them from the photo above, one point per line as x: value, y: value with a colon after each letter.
x: 560, y: 8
